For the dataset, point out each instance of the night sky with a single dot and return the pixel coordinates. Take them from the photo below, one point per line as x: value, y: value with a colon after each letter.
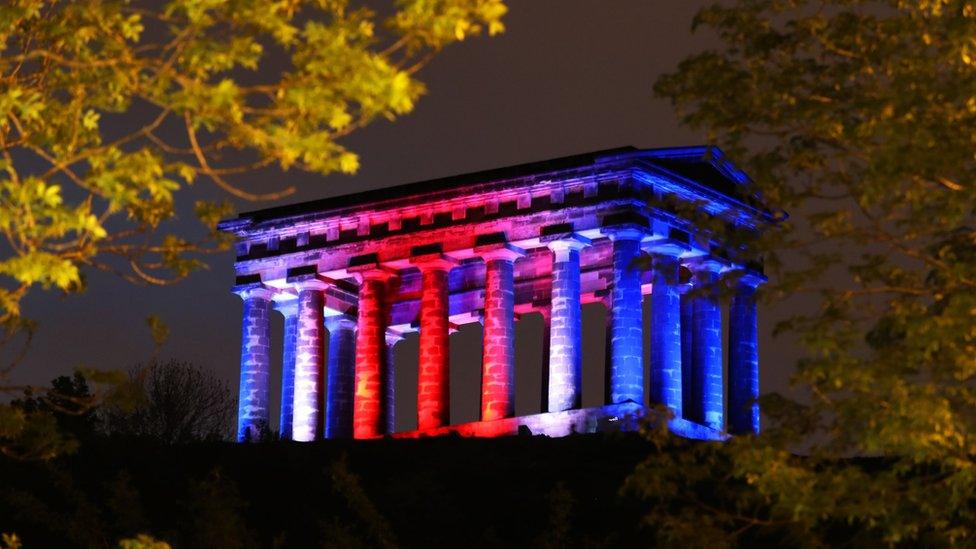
x: 566, y: 77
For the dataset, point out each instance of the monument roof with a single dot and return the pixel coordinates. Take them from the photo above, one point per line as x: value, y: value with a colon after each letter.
x: 702, y: 165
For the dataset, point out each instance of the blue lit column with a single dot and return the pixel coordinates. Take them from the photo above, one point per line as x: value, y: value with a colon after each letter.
x: 544, y: 312
x: 666, y: 333
x: 707, y: 400
x: 625, y: 320
x: 289, y: 310
x: 307, y: 418
x: 252, y: 404
x: 744, y: 358
x: 389, y: 382
x: 565, y: 326
x: 342, y: 376
x: 687, y: 328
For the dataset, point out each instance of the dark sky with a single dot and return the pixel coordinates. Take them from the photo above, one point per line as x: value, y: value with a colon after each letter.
x: 568, y: 76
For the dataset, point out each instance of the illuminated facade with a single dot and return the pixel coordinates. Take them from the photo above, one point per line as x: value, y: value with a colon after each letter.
x: 352, y: 275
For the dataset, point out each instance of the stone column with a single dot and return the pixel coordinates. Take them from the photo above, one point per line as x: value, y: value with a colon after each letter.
x: 744, y: 358
x: 607, y: 302
x: 433, y: 389
x: 666, y: 334
x: 370, y: 354
x: 687, y: 325
x: 707, y: 404
x: 545, y: 312
x: 565, y: 326
x: 252, y: 404
x: 625, y: 319
x: 389, y: 383
x: 289, y: 310
x: 309, y: 362
x: 342, y: 376
x: 498, y: 347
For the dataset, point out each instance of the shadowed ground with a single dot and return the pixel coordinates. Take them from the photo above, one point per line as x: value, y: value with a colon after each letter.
x: 428, y: 492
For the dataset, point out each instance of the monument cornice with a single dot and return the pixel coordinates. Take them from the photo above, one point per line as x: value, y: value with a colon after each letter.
x: 469, y: 189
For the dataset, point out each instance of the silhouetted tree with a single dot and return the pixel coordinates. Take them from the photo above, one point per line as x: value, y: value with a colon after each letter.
x: 857, y: 117
x: 51, y: 420
x: 70, y: 400
x: 177, y: 402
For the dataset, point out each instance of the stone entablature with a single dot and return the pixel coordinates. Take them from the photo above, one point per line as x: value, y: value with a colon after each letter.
x: 487, y: 247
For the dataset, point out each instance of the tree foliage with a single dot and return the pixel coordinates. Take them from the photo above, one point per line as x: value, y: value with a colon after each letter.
x: 109, y: 108
x: 857, y: 117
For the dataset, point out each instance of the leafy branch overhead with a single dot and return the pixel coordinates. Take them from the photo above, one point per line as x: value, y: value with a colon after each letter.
x: 109, y: 108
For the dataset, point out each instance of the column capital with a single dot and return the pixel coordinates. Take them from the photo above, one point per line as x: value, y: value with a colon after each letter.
x: 563, y: 242
x: 286, y: 304
x: 749, y: 279
x: 668, y: 247
x: 393, y: 339
x: 562, y: 245
x: 258, y: 290
x: 707, y: 264
x: 625, y: 232
x: 339, y: 321
x: 307, y: 282
x: 436, y: 261
x: 453, y: 327
x: 469, y: 317
x: 372, y: 271
x: 369, y: 267
x: 498, y: 252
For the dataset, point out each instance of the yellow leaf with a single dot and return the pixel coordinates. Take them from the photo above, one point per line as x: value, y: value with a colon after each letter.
x: 90, y: 120
x: 339, y: 119
x: 348, y: 162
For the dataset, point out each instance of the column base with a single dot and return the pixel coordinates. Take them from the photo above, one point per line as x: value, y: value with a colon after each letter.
x: 612, y: 417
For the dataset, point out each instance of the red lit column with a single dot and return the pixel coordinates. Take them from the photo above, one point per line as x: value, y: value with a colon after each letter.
x: 433, y: 390
x: 498, y: 347
x: 370, y: 353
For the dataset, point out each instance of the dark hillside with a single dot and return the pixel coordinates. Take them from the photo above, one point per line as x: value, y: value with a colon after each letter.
x: 512, y: 492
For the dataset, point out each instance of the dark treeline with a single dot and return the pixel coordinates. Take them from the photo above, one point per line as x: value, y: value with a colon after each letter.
x: 510, y: 492
x: 165, y: 402
x: 154, y: 457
